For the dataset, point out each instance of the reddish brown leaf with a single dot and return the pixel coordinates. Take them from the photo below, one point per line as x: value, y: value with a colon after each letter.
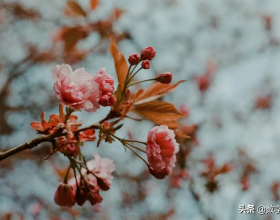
x: 120, y: 63
x: 93, y: 4
x: 155, y: 91
x: 159, y: 112
x: 76, y: 8
x: 181, y: 134
x: 71, y: 36
x: 172, y: 124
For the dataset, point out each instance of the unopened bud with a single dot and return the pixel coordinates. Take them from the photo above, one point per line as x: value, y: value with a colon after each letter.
x: 64, y: 195
x: 148, y: 53
x: 107, y: 100
x: 164, y: 78
x: 134, y: 58
x: 146, y: 64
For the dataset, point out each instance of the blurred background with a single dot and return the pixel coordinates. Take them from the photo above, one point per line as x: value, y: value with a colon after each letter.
x: 228, y: 51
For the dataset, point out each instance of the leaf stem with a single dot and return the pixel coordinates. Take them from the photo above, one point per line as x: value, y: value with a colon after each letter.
x: 66, y: 176
x: 141, y: 142
x: 138, y: 155
x: 140, y: 82
x: 138, y: 148
x: 134, y: 75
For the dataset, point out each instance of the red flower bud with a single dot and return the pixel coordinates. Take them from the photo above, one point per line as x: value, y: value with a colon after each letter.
x: 102, y: 184
x: 107, y: 100
x: 64, y: 195
x: 134, y: 58
x: 164, y: 78
x: 80, y: 197
x: 94, y: 197
x: 158, y: 175
x: 148, y: 53
x: 146, y: 64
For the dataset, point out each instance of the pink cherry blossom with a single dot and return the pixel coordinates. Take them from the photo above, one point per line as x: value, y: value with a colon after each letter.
x: 161, y: 151
x: 76, y: 89
x: 102, y: 168
x: 106, y: 88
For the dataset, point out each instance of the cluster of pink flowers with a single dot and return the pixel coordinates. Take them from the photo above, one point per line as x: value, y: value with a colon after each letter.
x: 81, y: 90
x: 97, y: 176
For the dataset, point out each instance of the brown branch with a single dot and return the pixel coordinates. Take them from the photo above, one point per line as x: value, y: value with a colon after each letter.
x: 30, y: 144
x: 49, y: 138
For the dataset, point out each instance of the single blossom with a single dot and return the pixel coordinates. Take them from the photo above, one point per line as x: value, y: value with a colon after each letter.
x: 76, y: 89
x: 65, y: 195
x: 148, y: 53
x: 106, y: 88
x: 161, y: 151
x: 102, y: 168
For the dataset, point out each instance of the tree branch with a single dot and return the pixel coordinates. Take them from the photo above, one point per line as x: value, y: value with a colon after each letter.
x: 30, y: 144
x: 49, y: 138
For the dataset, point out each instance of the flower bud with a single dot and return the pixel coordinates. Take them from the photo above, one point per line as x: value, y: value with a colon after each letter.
x: 158, y: 175
x: 134, y: 58
x: 148, y: 53
x: 94, y: 197
x: 102, y: 184
x: 64, y: 195
x: 107, y: 100
x: 80, y: 197
x: 164, y: 78
x: 146, y: 64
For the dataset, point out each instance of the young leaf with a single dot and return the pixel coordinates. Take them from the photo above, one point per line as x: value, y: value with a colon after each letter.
x: 76, y: 8
x: 93, y: 4
x: 120, y: 63
x: 172, y: 124
x: 155, y: 91
x: 181, y: 134
x: 159, y: 112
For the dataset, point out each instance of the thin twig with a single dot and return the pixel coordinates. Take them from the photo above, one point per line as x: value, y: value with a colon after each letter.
x: 141, y: 142
x: 138, y: 155
x: 138, y: 148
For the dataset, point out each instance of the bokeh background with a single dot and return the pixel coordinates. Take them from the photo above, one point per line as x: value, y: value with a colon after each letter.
x: 227, y: 50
